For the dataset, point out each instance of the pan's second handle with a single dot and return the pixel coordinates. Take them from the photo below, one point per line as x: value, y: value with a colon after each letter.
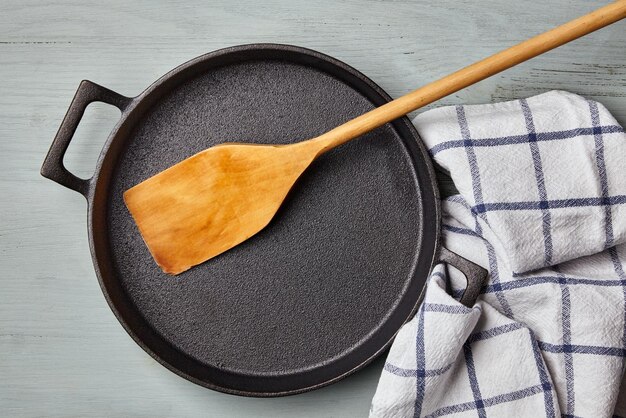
x: 474, y: 274
x: 53, y: 167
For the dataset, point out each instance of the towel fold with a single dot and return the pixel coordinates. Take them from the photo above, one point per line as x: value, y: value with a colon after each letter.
x: 542, y: 206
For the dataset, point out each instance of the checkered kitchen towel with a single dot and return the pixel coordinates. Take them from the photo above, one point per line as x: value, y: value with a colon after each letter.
x: 542, y: 206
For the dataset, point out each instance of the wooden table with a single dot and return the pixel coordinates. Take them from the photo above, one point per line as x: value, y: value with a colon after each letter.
x: 62, y: 352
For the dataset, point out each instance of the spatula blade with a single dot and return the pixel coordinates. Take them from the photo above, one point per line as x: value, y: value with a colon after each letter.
x: 213, y: 201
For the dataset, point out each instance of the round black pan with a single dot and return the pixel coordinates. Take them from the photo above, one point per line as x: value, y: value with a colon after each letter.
x: 325, y: 287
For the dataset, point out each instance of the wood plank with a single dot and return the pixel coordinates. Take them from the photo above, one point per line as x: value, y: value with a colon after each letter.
x: 62, y: 353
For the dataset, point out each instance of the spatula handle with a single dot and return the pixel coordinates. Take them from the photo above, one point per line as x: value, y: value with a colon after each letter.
x: 473, y: 74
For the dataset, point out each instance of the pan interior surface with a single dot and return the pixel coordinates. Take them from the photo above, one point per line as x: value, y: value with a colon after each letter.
x: 329, y: 281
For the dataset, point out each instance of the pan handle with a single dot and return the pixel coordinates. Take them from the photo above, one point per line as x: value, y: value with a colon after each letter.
x: 474, y: 274
x: 53, y: 167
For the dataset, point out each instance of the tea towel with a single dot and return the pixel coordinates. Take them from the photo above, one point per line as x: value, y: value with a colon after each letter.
x: 542, y: 206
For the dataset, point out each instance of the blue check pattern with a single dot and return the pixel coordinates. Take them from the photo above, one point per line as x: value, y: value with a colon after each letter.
x: 542, y: 206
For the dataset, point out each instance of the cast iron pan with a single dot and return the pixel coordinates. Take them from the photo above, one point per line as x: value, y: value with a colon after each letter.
x: 324, y: 288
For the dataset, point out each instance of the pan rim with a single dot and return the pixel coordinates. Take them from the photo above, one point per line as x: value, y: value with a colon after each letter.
x: 96, y: 185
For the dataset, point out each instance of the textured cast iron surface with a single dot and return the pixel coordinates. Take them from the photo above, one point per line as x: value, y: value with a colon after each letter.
x: 329, y: 268
x: 325, y: 287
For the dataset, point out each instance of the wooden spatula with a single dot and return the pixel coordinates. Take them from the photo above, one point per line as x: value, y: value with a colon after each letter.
x: 222, y: 196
